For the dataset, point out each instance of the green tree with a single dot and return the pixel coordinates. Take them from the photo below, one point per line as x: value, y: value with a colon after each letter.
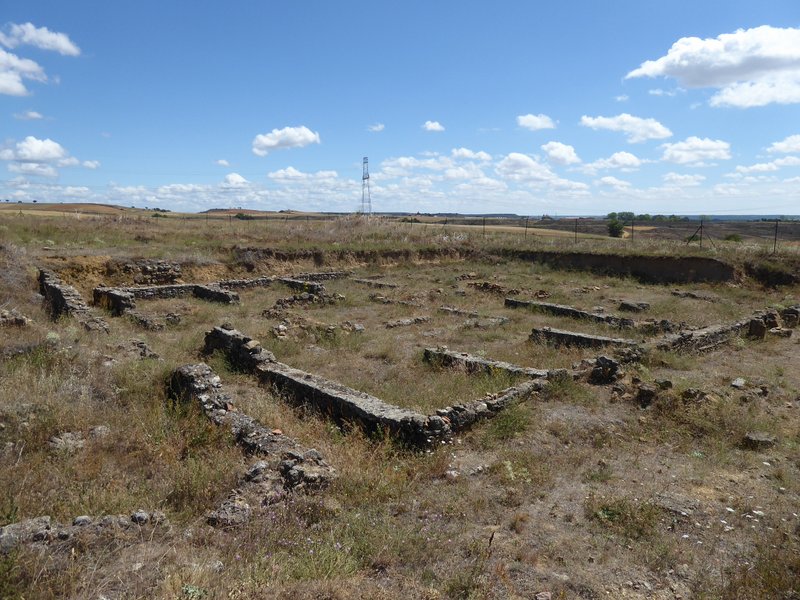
x: 615, y: 228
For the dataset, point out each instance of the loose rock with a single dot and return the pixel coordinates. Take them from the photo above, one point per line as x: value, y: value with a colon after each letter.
x: 759, y: 440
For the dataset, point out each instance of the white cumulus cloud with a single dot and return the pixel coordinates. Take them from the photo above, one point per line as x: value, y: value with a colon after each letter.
x: 636, y: 129
x: 789, y: 145
x: 696, y: 151
x: 610, y: 181
x: 91, y: 164
x: 432, y: 126
x: 33, y: 168
x: 535, y: 122
x: 470, y: 155
x: 624, y: 161
x: 288, y: 137
x: 36, y: 150
x: 376, y: 128
x: 33, y: 156
x: 234, y: 180
x: 562, y: 154
x: 13, y: 70
x: 40, y: 37
x: 521, y: 167
x: 749, y: 67
x: 222, y: 162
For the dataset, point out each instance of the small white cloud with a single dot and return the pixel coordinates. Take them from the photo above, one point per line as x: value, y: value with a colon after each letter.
x: 637, y: 129
x: 535, y: 122
x: 681, y: 180
x: 624, y: 161
x: 288, y: 137
x: 222, y: 162
x: 91, y: 164
x: 376, y: 128
x: 470, y: 155
x: 34, y: 149
x: 433, y: 126
x: 28, y: 115
x: 695, y: 151
x: 789, y: 145
x: 749, y: 67
x: 562, y: 154
x: 40, y: 37
x: 234, y: 180
x: 660, y: 92
x: 622, y: 98
x: 613, y: 182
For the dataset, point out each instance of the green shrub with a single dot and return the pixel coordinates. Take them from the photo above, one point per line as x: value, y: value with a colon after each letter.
x: 615, y: 228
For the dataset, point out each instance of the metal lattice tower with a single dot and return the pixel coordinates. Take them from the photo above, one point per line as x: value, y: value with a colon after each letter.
x: 366, y: 198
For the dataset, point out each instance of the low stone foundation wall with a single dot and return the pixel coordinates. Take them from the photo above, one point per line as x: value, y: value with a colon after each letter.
x: 478, y: 319
x: 286, y: 465
x: 152, y: 292
x: 339, y: 402
x: 562, y: 310
x: 700, y: 340
x: 299, y: 466
x: 12, y: 318
x: 475, y: 364
x: 45, y: 533
x: 114, y: 300
x: 214, y: 293
x: 236, y: 284
x: 301, y: 285
x: 322, y: 276
x: 462, y: 416
x: 122, y: 300
x: 62, y: 299
x: 559, y: 337
x: 376, y: 284
x: 346, y: 405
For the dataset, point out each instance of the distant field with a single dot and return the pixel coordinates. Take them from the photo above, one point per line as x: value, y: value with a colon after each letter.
x: 728, y: 235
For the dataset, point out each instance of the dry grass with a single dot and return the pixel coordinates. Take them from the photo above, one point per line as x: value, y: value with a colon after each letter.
x: 568, y: 482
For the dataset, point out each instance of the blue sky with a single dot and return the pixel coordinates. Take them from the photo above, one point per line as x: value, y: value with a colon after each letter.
x: 571, y: 107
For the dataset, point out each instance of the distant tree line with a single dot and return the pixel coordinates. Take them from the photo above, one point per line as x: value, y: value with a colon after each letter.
x: 628, y: 217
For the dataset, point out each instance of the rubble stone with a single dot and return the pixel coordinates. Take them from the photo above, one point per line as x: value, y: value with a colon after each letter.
x: 758, y: 440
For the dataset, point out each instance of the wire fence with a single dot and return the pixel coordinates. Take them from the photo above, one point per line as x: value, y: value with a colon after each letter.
x: 774, y: 235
